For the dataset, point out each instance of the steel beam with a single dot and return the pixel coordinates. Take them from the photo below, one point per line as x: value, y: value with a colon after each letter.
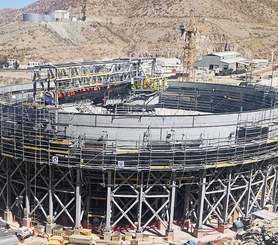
x: 125, y: 212
x: 27, y: 188
x: 50, y: 194
x: 78, y: 200
x: 108, y: 203
x: 140, y: 203
x: 274, y: 191
x: 187, y: 201
x: 172, y: 205
x: 264, y: 190
x: 39, y: 204
x: 227, y: 198
x: 64, y: 208
x: 248, y: 195
x: 155, y: 213
x: 9, y: 185
x: 88, y: 202
x: 201, y: 199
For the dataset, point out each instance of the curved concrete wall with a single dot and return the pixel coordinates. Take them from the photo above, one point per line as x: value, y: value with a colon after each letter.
x: 217, y: 137
x: 130, y: 129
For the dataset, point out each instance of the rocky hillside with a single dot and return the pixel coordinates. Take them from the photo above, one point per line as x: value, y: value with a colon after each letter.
x: 139, y: 27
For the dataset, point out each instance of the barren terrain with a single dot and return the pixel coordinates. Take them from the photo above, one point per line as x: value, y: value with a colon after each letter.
x: 134, y: 27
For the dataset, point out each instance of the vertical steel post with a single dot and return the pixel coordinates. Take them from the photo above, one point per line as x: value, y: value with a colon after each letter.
x: 9, y: 185
x: 274, y: 190
x: 34, y: 91
x: 153, y: 67
x: 201, y: 199
x: 264, y: 190
x: 88, y: 206
x: 248, y: 195
x: 227, y: 198
x: 50, y: 194
x: 186, y: 201
x: 27, y: 188
x: 56, y: 100
x: 139, y: 228
x: 173, y: 198
x: 77, y: 199
x: 56, y: 88
x: 108, y: 203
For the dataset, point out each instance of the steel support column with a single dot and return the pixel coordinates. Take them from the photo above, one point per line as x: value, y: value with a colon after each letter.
x: 187, y: 201
x: 139, y: 228
x: 248, y: 195
x: 201, y: 199
x: 274, y: 191
x: 88, y: 200
x: 9, y: 185
x: 50, y: 194
x: 27, y: 188
x: 264, y: 190
x: 77, y: 200
x: 172, y: 205
x: 227, y: 198
x: 108, y: 204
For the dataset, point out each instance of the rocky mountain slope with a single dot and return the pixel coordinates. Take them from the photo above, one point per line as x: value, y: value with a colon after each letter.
x: 139, y: 27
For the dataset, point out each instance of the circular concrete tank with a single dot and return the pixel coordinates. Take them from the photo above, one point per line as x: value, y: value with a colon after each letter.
x: 204, y: 151
x: 33, y: 17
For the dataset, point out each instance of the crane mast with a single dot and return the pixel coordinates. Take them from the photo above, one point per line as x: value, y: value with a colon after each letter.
x: 188, y: 34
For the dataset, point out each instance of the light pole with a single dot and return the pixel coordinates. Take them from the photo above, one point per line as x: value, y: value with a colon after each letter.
x: 272, y: 66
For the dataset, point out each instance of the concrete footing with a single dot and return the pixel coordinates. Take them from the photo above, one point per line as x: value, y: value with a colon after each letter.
x: 8, y: 216
x: 107, y: 236
x: 170, y: 236
x: 197, y: 232
x: 49, y: 227
x: 221, y: 228
x: 27, y: 222
x: 270, y: 208
x: 139, y: 236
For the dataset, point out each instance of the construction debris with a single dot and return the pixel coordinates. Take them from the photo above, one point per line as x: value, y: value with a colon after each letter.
x: 260, y: 232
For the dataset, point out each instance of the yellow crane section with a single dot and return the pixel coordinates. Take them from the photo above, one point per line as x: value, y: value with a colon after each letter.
x: 188, y: 33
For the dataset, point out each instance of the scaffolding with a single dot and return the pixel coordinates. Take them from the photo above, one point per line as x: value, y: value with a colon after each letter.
x: 139, y: 171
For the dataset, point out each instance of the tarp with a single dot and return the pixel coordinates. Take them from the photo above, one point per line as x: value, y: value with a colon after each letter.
x: 190, y: 242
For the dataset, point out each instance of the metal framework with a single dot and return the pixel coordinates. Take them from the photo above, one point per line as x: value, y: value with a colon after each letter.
x: 189, y: 32
x: 137, y: 169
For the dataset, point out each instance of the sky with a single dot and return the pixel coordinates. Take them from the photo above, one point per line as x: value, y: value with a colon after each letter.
x: 15, y: 3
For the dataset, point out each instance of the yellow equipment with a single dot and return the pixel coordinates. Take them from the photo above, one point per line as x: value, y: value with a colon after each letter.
x: 52, y: 243
x: 85, y: 232
x: 55, y: 240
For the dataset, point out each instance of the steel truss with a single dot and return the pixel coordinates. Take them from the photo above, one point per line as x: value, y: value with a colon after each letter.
x: 70, y: 76
x: 242, y: 189
x: 49, y: 192
x: 212, y: 193
x: 137, y: 200
x: 140, y: 199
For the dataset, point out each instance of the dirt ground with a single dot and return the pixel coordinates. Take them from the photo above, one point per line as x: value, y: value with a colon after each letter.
x: 10, y: 77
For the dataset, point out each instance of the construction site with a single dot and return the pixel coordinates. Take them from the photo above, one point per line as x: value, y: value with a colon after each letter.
x: 114, y: 147
x: 106, y: 146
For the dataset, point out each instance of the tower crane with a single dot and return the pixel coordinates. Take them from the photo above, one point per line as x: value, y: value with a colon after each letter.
x: 188, y: 34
